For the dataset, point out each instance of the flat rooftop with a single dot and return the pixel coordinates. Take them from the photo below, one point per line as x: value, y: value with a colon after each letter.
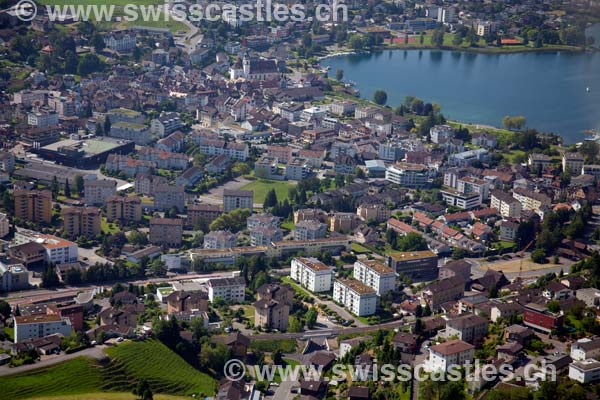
x: 411, y: 255
x: 89, y: 146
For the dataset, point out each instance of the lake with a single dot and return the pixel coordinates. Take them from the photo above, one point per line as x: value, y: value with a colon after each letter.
x: 548, y: 88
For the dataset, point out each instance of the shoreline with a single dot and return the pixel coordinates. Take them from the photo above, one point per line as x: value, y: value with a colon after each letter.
x: 480, y: 50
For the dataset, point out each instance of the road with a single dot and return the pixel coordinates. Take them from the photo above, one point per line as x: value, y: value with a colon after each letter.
x: 96, y: 352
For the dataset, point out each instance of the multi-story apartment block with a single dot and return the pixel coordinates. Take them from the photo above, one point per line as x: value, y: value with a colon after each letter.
x: 229, y: 289
x: 39, y: 326
x: 42, y: 119
x: 447, y: 354
x: 538, y: 161
x: 234, y: 199
x: 416, y: 265
x: 468, y: 184
x: 572, y: 163
x: 168, y: 196
x: 123, y: 208
x: 166, y: 124
x: 343, y: 222
x: 409, y: 175
x: 264, y: 235
x: 138, y: 133
x: 373, y: 212
x: 440, y: 292
x: 585, y: 371
x: 81, y: 221
x: 468, y: 327
x: 13, y: 277
x: 97, y: 191
x: 219, y: 240
x: 7, y: 162
x: 311, y: 274
x: 164, y: 159
x: 262, y: 220
x: 531, y: 200
x: 33, y: 205
x: 507, y: 206
x: 375, y: 275
x: 297, y: 169
x: 272, y: 309
x: 308, y: 230
x: 464, y: 201
x: 441, y: 133
x: 166, y: 231
x: 202, y: 214
x: 146, y: 184
x: 357, y: 297
x: 214, y: 147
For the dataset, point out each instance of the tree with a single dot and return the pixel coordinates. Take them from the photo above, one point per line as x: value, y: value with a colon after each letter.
x: 50, y: 278
x: 311, y: 318
x: 514, y: 122
x: 437, y: 39
x: 553, y: 306
x: 142, y: 390
x: 79, y: 184
x: 411, y: 242
x: 538, y: 256
x: 107, y: 124
x: 5, y: 310
x: 54, y: 186
x: 67, y: 189
x: 98, y: 42
x: 90, y: 63
x: 270, y: 199
x: 380, y: 97
x: 339, y: 74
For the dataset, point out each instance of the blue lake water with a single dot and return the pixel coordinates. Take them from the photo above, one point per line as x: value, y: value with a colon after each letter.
x: 550, y: 89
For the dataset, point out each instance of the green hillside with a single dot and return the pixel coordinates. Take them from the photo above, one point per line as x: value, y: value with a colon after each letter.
x: 164, y: 370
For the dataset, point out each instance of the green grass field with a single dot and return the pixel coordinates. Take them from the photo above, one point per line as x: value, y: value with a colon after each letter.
x: 83, y: 377
x: 261, y: 187
x: 109, y: 227
x: 164, y: 370
x: 269, y: 346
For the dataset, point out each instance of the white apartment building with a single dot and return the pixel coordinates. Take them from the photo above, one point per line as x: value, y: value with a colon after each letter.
x: 97, y: 191
x: 58, y: 250
x: 219, y: 240
x: 312, y: 274
x: 234, y: 199
x: 584, y: 349
x: 357, y: 297
x: 464, y: 201
x: 375, y: 275
x: 585, y: 371
x: 572, y: 162
x: 453, y: 352
x: 42, y: 119
x: 507, y: 206
x: 229, y: 289
x: 39, y: 326
x: 405, y: 174
x: 440, y: 133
